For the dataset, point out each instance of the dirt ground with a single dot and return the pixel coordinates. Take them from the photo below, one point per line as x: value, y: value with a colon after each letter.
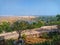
x: 31, y: 40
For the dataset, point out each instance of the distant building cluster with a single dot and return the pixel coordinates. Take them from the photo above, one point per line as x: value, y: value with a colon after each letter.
x: 12, y: 19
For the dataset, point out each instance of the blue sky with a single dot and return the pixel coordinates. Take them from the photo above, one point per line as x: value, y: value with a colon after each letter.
x: 29, y: 7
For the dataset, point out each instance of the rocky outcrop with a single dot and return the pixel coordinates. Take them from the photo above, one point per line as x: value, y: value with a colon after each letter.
x: 29, y: 32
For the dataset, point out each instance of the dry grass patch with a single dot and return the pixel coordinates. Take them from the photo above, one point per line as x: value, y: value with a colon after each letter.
x: 32, y: 40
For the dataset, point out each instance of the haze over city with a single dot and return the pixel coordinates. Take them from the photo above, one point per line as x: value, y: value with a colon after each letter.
x: 29, y: 7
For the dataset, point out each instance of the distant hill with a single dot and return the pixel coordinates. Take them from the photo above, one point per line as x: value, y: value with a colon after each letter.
x: 14, y: 18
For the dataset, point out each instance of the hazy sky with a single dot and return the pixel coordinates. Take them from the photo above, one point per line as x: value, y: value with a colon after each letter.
x: 29, y: 7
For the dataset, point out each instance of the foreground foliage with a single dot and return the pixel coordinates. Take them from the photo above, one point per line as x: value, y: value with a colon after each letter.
x: 55, y: 39
x: 19, y: 25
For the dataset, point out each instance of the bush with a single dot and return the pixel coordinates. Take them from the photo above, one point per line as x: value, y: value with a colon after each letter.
x: 9, y: 42
x: 23, y: 36
x: 45, y: 35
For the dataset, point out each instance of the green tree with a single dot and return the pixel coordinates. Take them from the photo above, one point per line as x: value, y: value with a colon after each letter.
x: 6, y: 26
x: 19, y: 26
x: 1, y: 29
x: 58, y: 17
x: 41, y: 23
x: 37, y: 24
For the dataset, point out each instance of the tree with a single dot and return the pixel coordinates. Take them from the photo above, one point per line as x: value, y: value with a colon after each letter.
x: 1, y: 29
x: 58, y: 17
x: 19, y: 26
x: 41, y: 23
x: 6, y: 26
x: 36, y: 24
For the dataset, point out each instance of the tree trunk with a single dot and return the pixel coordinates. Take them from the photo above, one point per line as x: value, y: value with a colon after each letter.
x: 19, y: 32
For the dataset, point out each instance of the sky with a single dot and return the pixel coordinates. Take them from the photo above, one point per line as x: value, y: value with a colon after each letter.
x: 29, y: 7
